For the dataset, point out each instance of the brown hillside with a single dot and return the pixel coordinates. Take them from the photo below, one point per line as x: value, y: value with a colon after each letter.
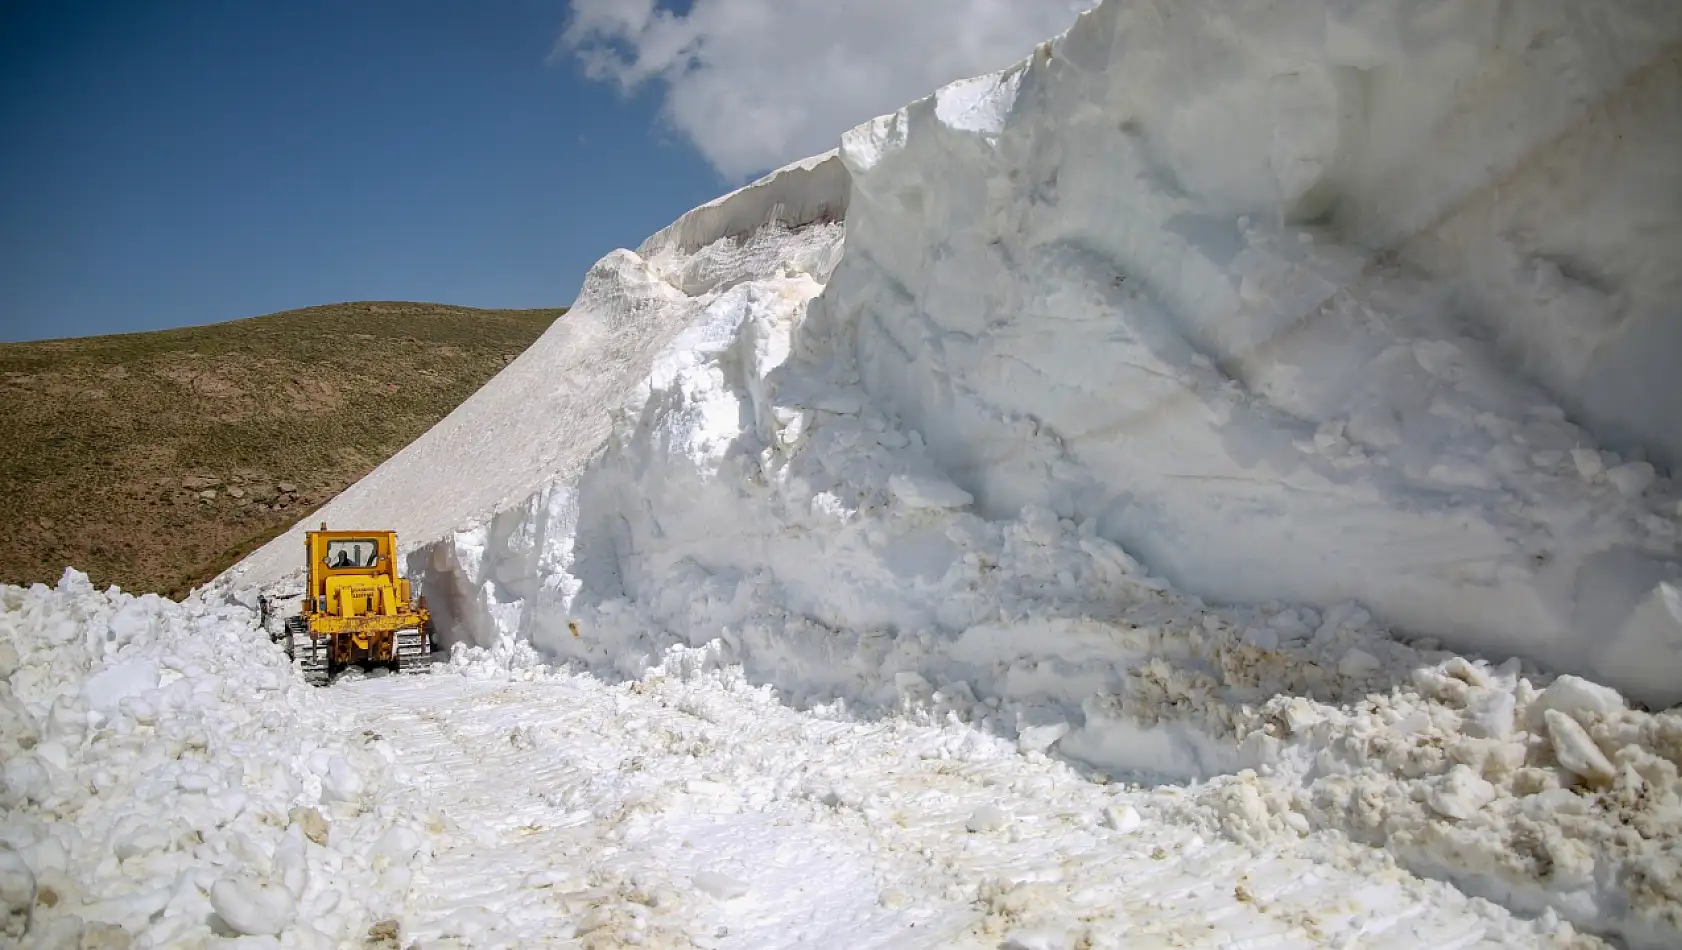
x: 155, y: 460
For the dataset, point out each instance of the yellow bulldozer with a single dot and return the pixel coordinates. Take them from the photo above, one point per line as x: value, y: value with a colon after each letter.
x: 356, y: 610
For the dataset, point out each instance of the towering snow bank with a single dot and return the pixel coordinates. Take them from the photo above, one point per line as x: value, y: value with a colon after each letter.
x: 1295, y: 301
x: 756, y: 500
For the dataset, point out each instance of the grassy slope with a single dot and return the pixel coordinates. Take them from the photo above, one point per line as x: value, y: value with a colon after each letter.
x: 102, y: 438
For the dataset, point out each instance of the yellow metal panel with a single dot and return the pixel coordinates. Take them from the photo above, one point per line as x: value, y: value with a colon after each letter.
x: 322, y: 624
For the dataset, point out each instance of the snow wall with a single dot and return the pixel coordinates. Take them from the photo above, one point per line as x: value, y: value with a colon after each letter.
x: 1162, y: 399
x: 1375, y: 303
x: 1298, y: 300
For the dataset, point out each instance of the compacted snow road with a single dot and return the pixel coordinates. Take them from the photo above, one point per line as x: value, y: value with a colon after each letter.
x: 165, y: 785
x: 691, y: 809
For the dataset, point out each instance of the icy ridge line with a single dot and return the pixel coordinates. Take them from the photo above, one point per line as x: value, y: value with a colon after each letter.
x: 808, y: 191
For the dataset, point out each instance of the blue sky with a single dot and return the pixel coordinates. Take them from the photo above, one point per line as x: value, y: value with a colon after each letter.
x: 187, y: 162
x: 193, y: 161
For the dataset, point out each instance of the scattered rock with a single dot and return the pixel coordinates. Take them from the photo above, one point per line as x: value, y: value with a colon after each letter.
x: 198, y: 482
x: 310, y: 822
x: 209, y: 494
x: 385, y: 934
x: 236, y: 493
x: 286, y: 488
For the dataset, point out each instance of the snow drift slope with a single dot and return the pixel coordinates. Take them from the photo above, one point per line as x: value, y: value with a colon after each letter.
x: 549, y: 410
x: 1204, y: 300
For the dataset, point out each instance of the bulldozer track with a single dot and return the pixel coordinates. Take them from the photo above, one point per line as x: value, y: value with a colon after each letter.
x: 414, y: 650
x: 309, y: 655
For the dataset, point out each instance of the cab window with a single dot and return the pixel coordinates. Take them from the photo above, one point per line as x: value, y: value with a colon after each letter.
x: 352, y: 552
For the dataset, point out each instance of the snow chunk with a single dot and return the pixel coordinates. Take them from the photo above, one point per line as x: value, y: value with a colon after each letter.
x: 1041, y: 738
x: 106, y: 690
x: 1122, y: 818
x: 1039, y: 938
x: 1460, y: 794
x: 340, y: 781
x: 1490, y: 715
x: 924, y: 491
x: 1580, y: 699
x: 132, y: 621
x: 1575, y: 750
x: 1357, y: 663
x: 987, y: 818
x: 17, y: 893
x: 251, y: 906
x: 1589, y: 463
x: 721, y: 886
x: 1632, y: 478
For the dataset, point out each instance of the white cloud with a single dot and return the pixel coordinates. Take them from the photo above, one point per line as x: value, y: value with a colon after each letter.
x: 754, y: 84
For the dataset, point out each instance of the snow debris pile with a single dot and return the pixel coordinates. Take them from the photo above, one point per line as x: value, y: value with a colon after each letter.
x: 1275, y: 395
x: 924, y: 833
x: 168, y: 782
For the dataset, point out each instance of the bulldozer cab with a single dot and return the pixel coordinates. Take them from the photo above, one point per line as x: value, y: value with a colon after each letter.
x: 356, y: 609
x: 353, y: 573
